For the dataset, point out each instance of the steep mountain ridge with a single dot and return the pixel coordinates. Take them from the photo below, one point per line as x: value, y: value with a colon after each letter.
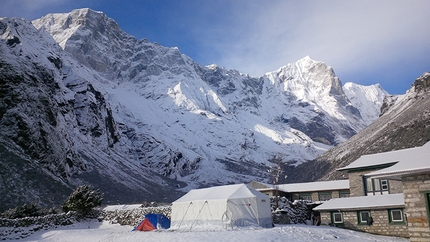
x: 371, y: 94
x: 97, y: 42
x: 315, y: 84
x: 140, y: 120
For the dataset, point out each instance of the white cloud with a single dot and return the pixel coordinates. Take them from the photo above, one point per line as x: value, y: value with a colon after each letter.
x: 32, y: 9
x: 351, y: 36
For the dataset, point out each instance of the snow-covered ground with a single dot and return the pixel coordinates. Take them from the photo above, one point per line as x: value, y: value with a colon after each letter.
x: 103, y: 231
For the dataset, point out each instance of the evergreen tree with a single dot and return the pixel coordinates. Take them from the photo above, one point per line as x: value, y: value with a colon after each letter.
x: 83, y: 200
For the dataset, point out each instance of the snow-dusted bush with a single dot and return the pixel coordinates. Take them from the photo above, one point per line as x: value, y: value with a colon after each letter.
x: 298, y: 211
x: 26, y: 210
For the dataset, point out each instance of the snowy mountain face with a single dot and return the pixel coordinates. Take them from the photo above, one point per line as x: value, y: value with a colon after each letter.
x: 367, y: 99
x: 84, y: 102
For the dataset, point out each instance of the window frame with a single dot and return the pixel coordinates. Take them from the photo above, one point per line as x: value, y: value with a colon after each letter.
x: 386, y: 185
x: 305, y: 194
x: 344, y: 193
x: 375, y: 186
x: 390, y: 215
x: 322, y: 194
x: 360, y: 218
x: 334, y: 217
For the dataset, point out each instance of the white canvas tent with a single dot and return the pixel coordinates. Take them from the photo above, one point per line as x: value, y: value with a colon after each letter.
x: 222, y: 207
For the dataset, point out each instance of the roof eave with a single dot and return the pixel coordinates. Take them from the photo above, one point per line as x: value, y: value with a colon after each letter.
x: 369, y: 167
x: 399, y: 174
x: 362, y: 208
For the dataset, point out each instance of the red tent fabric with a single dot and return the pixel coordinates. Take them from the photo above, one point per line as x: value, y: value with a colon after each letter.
x: 145, y: 225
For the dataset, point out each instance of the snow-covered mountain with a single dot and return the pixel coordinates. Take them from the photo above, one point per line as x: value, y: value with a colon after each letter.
x: 84, y: 102
x: 404, y: 123
x: 367, y: 99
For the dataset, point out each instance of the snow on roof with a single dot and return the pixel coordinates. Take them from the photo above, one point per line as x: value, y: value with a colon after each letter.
x: 417, y: 162
x: 363, y: 202
x: 386, y: 158
x: 122, y: 207
x: 313, y: 186
x: 220, y: 193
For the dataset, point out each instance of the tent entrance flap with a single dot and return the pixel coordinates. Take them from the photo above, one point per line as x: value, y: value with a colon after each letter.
x: 145, y: 225
x: 153, y: 221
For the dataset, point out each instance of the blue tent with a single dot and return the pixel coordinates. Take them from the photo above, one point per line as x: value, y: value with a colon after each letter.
x: 153, y: 221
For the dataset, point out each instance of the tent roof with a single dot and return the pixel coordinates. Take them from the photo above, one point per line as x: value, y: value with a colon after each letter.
x: 221, y: 193
x: 363, y: 202
x: 386, y: 158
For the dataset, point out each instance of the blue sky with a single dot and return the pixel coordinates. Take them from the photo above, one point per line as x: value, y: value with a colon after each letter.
x: 367, y: 42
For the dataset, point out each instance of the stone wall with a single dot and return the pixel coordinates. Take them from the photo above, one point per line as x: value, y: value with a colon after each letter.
x: 357, y: 187
x: 356, y: 183
x: 381, y: 224
x: 133, y: 216
x: 416, y: 188
x: 325, y: 218
x: 395, y: 186
x: 18, y: 228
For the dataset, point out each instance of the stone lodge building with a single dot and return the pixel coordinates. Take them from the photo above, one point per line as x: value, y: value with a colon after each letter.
x: 389, y: 195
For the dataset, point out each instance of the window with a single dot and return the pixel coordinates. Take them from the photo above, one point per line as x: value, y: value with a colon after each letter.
x: 384, y: 185
x: 376, y: 186
x: 344, y: 193
x: 364, y: 217
x: 305, y: 196
x: 369, y: 185
x: 324, y: 196
x: 337, y: 217
x: 396, y: 215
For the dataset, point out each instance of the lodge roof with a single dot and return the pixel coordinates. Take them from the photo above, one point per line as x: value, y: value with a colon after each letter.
x: 416, y: 162
x: 387, y: 159
x: 363, y: 202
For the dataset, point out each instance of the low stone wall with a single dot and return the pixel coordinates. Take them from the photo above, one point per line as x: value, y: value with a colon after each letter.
x: 133, y: 216
x: 12, y: 229
x: 18, y: 228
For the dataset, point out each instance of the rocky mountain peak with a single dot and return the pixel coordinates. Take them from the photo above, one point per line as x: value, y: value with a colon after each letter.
x: 310, y: 77
x: 422, y: 84
x: 64, y: 25
x: 100, y: 44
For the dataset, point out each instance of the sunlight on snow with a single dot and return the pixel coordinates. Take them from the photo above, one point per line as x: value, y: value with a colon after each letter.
x: 275, y: 136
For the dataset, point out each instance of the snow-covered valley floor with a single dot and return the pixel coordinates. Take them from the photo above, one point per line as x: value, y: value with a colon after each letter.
x: 103, y: 231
